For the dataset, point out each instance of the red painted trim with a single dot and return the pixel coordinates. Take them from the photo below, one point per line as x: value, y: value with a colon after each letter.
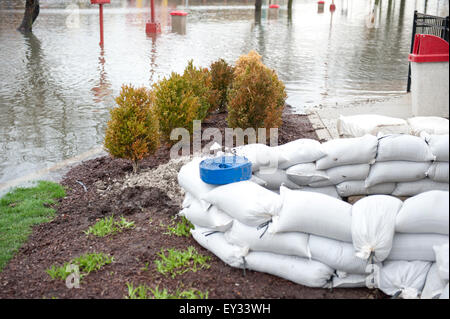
x: 100, y: 1
x: 178, y: 13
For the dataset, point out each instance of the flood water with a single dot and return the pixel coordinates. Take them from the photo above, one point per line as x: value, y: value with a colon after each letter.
x: 57, y: 85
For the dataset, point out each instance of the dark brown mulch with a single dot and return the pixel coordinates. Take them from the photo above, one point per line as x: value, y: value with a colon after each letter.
x: 62, y: 239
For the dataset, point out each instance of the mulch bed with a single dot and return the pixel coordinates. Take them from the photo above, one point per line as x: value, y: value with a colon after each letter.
x: 62, y: 239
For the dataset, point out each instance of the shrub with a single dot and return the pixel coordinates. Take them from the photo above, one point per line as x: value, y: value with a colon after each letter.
x: 133, y: 131
x: 222, y: 75
x: 257, y: 95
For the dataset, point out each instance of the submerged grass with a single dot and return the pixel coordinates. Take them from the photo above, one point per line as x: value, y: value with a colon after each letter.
x: 22, y: 208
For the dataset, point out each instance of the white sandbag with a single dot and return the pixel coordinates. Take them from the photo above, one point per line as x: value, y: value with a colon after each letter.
x: 406, y: 278
x: 396, y: 172
x: 444, y: 294
x: 361, y: 124
x: 321, y: 184
x: 439, y: 146
x: 212, y: 218
x: 350, y: 281
x: 434, y: 285
x: 403, y: 148
x: 418, y: 187
x: 373, y: 226
x: 313, y: 213
x: 246, y: 201
x: 305, y: 174
x: 438, y: 172
x: 273, y: 179
x: 345, y: 173
x: 189, y: 179
x: 428, y: 124
x: 352, y: 188
x: 302, y: 271
x: 327, y: 190
x: 258, y: 181
x: 442, y: 260
x: 255, y: 239
x: 424, y: 213
x: 260, y: 155
x: 338, y: 255
x: 300, y: 151
x: 415, y: 246
x: 215, y: 242
x: 347, y: 151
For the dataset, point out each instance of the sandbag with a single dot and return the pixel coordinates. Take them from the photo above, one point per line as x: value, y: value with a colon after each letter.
x: 300, y: 151
x: 305, y: 174
x: 361, y: 124
x: 424, y: 213
x: 415, y: 246
x: 347, y: 151
x: 313, y: 213
x: 352, y: 188
x: 189, y: 179
x: 350, y: 281
x: 418, y: 187
x: 246, y: 201
x: 434, y: 285
x: 373, y: 226
x: 403, y: 278
x: 429, y: 124
x: 444, y: 294
x: 254, y: 239
x: 345, y: 173
x: 338, y: 255
x: 442, y: 260
x: 273, y: 179
x: 302, y: 271
x: 260, y: 155
x: 212, y: 218
x: 438, y: 172
x: 396, y: 171
x: 327, y: 190
x: 439, y: 146
x: 400, y: 147
x: 215, y: 242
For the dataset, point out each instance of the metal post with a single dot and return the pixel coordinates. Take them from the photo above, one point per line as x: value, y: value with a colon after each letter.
x: 101, y: 24
x: 152, y: 8
x: 408, y: 86
x: 152, y: 27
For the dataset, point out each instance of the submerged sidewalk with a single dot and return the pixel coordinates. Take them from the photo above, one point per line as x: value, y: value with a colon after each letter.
x: 324, y: 120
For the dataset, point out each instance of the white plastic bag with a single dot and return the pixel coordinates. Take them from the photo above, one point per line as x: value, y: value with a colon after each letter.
x: 361, y: 124
x: 347, y: 151
x: 418, y: 187
x: 352, y: 188
x: 442, y: 260
x: 260, y: 155
x: 434, y: 285
x: 373, y: 226
x: 273, y: 179
x: 246, y: 201
x: 305, y: 174
x: 313, y: 213
x: 429, y: 124
x: 302, y: 271
x: 345, y: 173
x: 415, y: 246
x: 444, y: 294
x: 300, y: 151
x: 438, y: 172
x: 403, y: 148
x: 189, y: 179
x: 424, y: 213
x: 439, y: 146
x: 403, y: 278
x: 350, y: 281
x: 212, y: 218
x: 255, y: 239
x: 328, y: 190
x: 396, y: 171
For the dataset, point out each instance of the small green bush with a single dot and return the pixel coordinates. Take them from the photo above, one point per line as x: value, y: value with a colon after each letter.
x: 222, y: 75
x: 257, y: 95
x: 133, y: 131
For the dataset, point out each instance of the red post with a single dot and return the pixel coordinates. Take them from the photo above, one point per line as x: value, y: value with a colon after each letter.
x: 152, y: 26
x: 101, y: 24
x: 152, y: 9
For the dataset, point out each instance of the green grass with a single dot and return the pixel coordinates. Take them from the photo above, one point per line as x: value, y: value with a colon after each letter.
x: 145, y: 292
x: 177, y: 262
x: 22, y: 208
x: 86, y: 263
x: 182, y: 228
x: 108, y: 226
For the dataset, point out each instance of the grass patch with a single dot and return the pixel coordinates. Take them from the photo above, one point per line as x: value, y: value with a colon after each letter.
x: 177, y: 262
x: 108, y: 226
x: 182, y: 228
x: 86, y: 263
x: 22, y: 208
x: 145, y: 292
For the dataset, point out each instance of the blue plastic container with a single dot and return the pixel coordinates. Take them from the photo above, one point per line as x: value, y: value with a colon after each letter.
x: 225, y: 170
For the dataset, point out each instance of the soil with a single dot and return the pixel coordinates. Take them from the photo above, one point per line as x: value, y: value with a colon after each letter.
x: 103, y: 187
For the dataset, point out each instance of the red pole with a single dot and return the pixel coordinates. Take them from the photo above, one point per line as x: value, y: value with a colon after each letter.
x: 101, y: 24
x: 152, y: 6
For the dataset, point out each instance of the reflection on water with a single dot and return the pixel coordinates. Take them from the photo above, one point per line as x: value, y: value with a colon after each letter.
x: 57, y: 84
